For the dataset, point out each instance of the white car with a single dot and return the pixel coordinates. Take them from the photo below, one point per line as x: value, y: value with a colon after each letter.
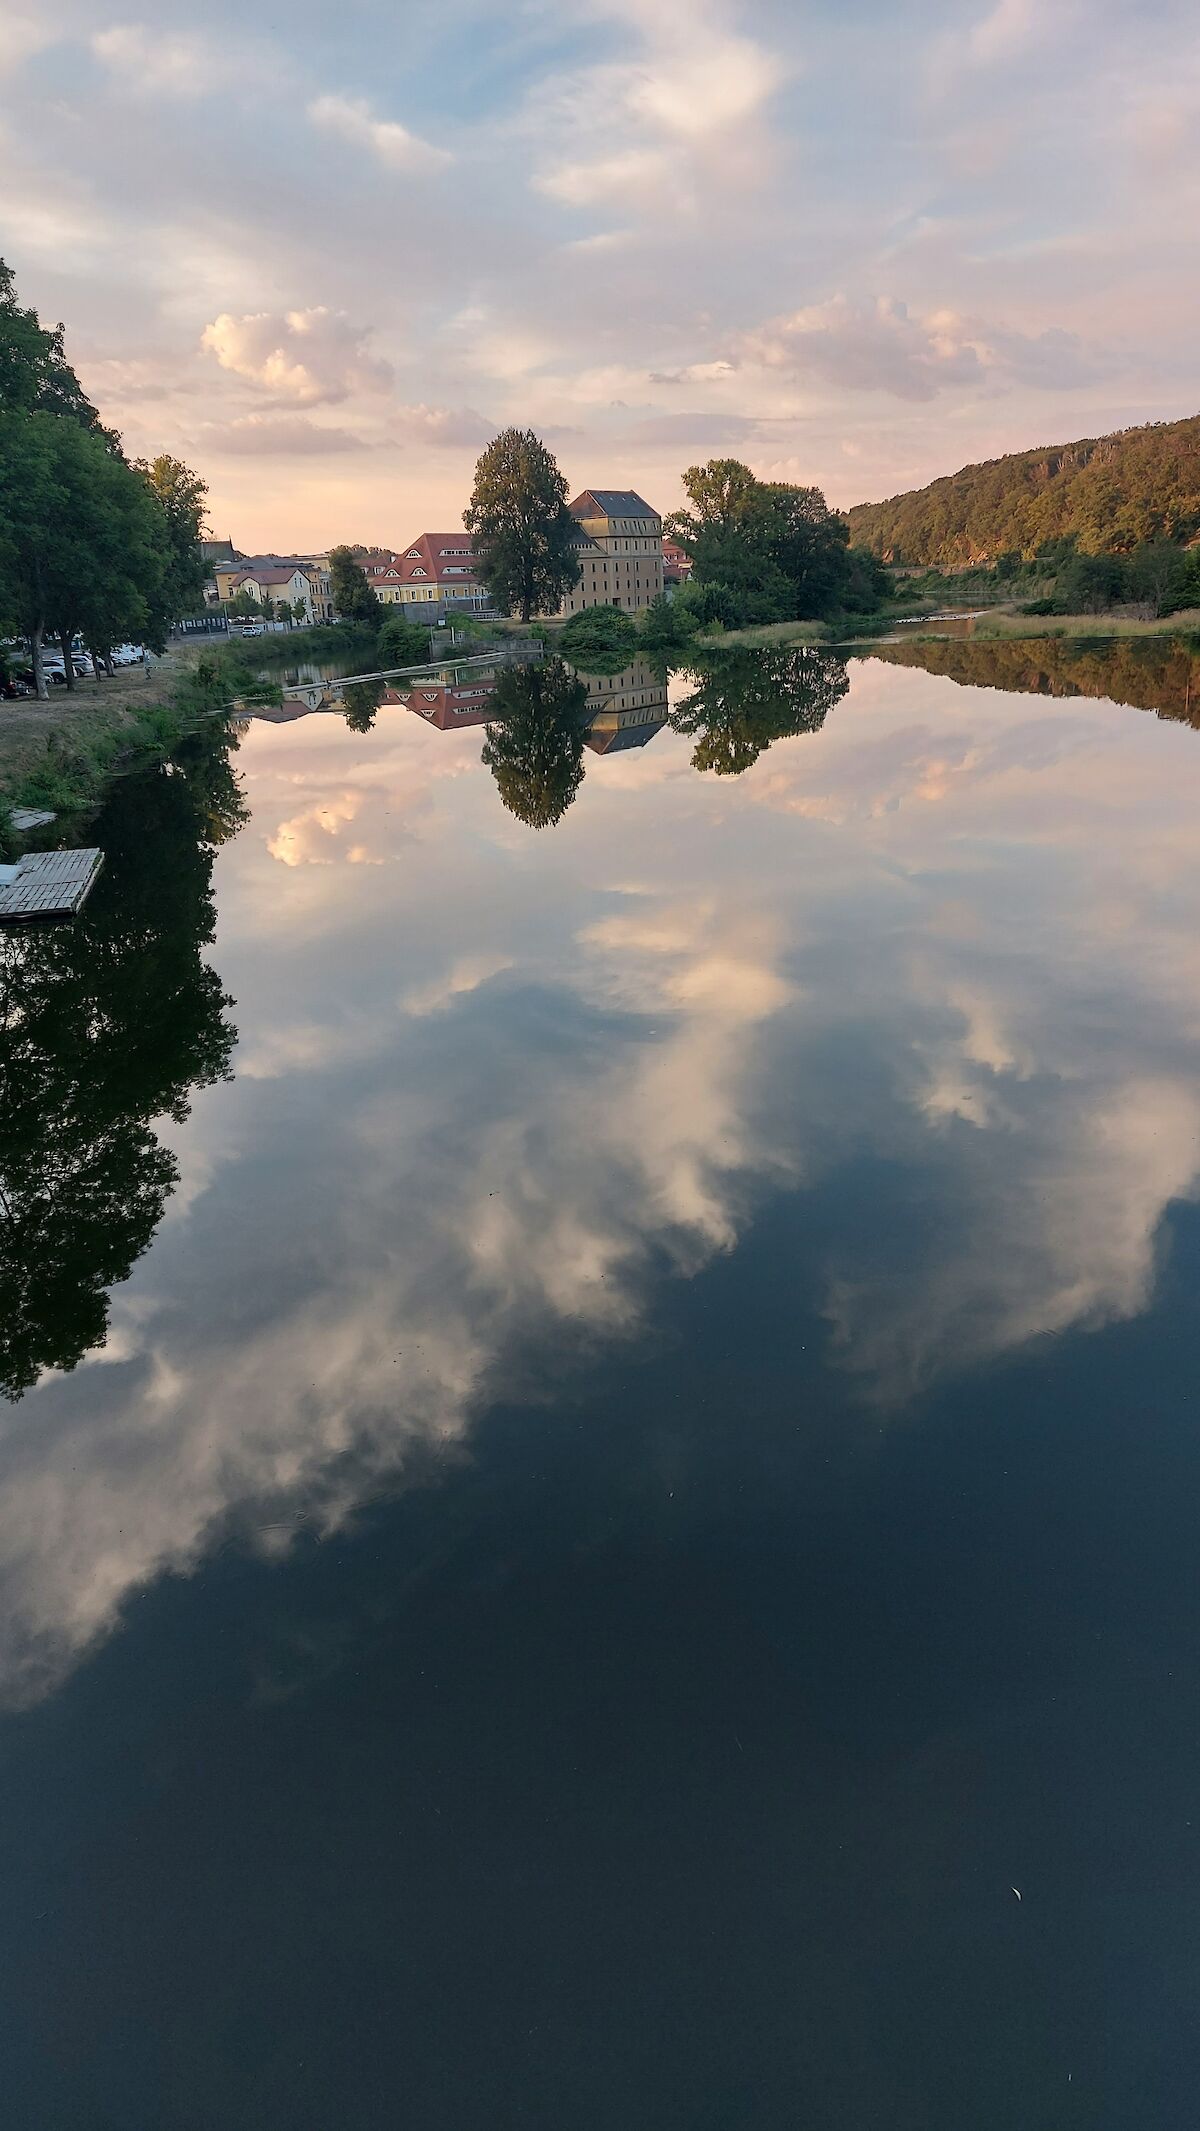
x: 129, y: 655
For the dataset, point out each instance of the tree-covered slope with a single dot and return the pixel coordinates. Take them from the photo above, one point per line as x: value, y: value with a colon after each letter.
x: 1111, y: 493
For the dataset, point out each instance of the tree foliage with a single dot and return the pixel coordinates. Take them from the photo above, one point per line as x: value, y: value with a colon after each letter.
x: 107, y: 1025
x: 745, y: 699
x: 1108, y: 494
x: 35, y: 376
x: 535, y: 747
x: 524, y: 536
x: 403, y: 643
x: 354, y: 596
x: 181, y: 495
x: 88, y: 544
x: 600, y: 639
x: 776, y: 551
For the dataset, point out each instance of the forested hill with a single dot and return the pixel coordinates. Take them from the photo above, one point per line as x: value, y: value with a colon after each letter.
x: 1111, y: 493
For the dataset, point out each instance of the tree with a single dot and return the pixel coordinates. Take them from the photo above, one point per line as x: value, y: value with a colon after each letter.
x: 778, y: 551
x: 402, y: 643
x: 83, y: 543
x: 35, y: 376
x: 107, y: 1026
x: 243, y: 606
x: 668, y: 625
x: 747, y: 699
x: 600, y: 639
x: 181, y: 495
x: 1158, y: 574
x: 525, y: 537
x: 362, y: 699
x: 535, y: 748
x: 354, y: 596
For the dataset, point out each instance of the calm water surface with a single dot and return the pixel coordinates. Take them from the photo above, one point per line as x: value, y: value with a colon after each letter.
x: 603, y: 1436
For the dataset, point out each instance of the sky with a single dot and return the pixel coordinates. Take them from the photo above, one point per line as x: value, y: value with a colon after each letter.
x: 323, y: 253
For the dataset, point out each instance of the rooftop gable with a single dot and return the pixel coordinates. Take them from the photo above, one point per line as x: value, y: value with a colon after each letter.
x: 611, y: 503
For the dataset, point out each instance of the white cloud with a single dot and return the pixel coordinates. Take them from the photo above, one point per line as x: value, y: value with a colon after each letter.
x: 881, y: 346
x: 156, y: 62
x: 307, y: 356
x: 351, y: 119
x: 664, y: 125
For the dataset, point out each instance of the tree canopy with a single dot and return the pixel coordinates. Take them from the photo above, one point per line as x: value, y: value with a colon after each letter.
x: 1108, y: 494
x: 354, y: 596
x: 107, y: 1025
x: 745, y: 699
x: 535, y: 748
x: 524, y: 536
x: 768, y: 550
x: 88, y: 543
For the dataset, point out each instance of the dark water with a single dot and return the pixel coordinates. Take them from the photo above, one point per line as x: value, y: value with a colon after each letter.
x: 602, y: 1448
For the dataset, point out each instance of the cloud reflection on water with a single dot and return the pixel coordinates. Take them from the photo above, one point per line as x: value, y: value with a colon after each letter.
x: 494, y: 1089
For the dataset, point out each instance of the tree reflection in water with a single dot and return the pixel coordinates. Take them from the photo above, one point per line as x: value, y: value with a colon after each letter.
x: 362, y: 699
x: 535, y: 747
x: 747, y: 698
x: 106, y: 1025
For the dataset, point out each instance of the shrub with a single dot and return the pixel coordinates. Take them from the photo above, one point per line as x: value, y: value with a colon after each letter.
x: 600, y: 639
x: 402, y: 643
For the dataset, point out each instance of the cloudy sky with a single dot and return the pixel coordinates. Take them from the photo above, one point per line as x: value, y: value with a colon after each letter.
x: 323, y: 252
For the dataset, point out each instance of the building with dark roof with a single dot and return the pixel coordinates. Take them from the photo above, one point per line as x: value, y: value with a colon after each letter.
x: 625, y: 709
x: 619, y: 551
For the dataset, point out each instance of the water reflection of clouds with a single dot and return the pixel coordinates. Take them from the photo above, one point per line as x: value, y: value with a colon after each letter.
x: 482, y: 1092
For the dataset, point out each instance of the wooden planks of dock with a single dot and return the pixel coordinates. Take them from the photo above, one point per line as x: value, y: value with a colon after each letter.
x: 47, y: 884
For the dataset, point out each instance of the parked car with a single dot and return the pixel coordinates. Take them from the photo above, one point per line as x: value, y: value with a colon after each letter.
x: 253, y: 629
x: 129, y: 655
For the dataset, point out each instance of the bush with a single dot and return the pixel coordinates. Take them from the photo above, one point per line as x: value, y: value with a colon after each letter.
x: 600, y: 639
x: 668, y: 626
x: 402, y: 643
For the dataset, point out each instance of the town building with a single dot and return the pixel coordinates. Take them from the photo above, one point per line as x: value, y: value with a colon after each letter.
x: 677, y: 563
x: 450, y: 699
x: 625, y: 709
x: 619, y: 551
x: 294, y: 579
x: 439, y: 569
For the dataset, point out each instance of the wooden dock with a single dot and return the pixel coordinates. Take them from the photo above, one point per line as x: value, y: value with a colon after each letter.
x: 47, y: 884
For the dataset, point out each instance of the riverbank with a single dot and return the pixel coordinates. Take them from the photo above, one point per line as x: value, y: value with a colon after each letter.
x: 1010, y: 626
x: 59, y: 754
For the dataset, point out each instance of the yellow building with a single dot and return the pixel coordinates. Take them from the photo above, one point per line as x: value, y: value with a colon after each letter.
x: 619, y: 551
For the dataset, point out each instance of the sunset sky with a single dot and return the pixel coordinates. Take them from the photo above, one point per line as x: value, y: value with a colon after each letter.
x: 323, y: 252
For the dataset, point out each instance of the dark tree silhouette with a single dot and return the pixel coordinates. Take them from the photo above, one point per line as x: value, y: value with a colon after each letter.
x: 535, y: 748
x: 106, y: 1025
x: 746, y: 699
x: 362, y: 699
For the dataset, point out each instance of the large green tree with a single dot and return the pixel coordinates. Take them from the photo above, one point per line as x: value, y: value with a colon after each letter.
x: 83, y: 542
x: 777, y: 551
x: 354, y: 596
x: 744, y: 700
x: 107, y: 1026
x: 181, y: 496
x: 35, y: 376
x: 535, y: 747
x: 524, y: 536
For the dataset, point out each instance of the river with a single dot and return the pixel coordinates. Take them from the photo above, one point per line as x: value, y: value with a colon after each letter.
x: 600, y: 1452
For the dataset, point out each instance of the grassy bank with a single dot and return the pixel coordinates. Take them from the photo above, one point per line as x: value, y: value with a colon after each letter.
x: 1012, y: 628
x: 60, y: 754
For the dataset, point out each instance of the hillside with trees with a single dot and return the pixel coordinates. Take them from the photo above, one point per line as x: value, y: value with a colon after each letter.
x: 1109, y: 495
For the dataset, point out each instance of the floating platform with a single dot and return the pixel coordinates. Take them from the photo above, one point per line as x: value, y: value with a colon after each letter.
x: 47, y: 884
x: 25, y: 818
